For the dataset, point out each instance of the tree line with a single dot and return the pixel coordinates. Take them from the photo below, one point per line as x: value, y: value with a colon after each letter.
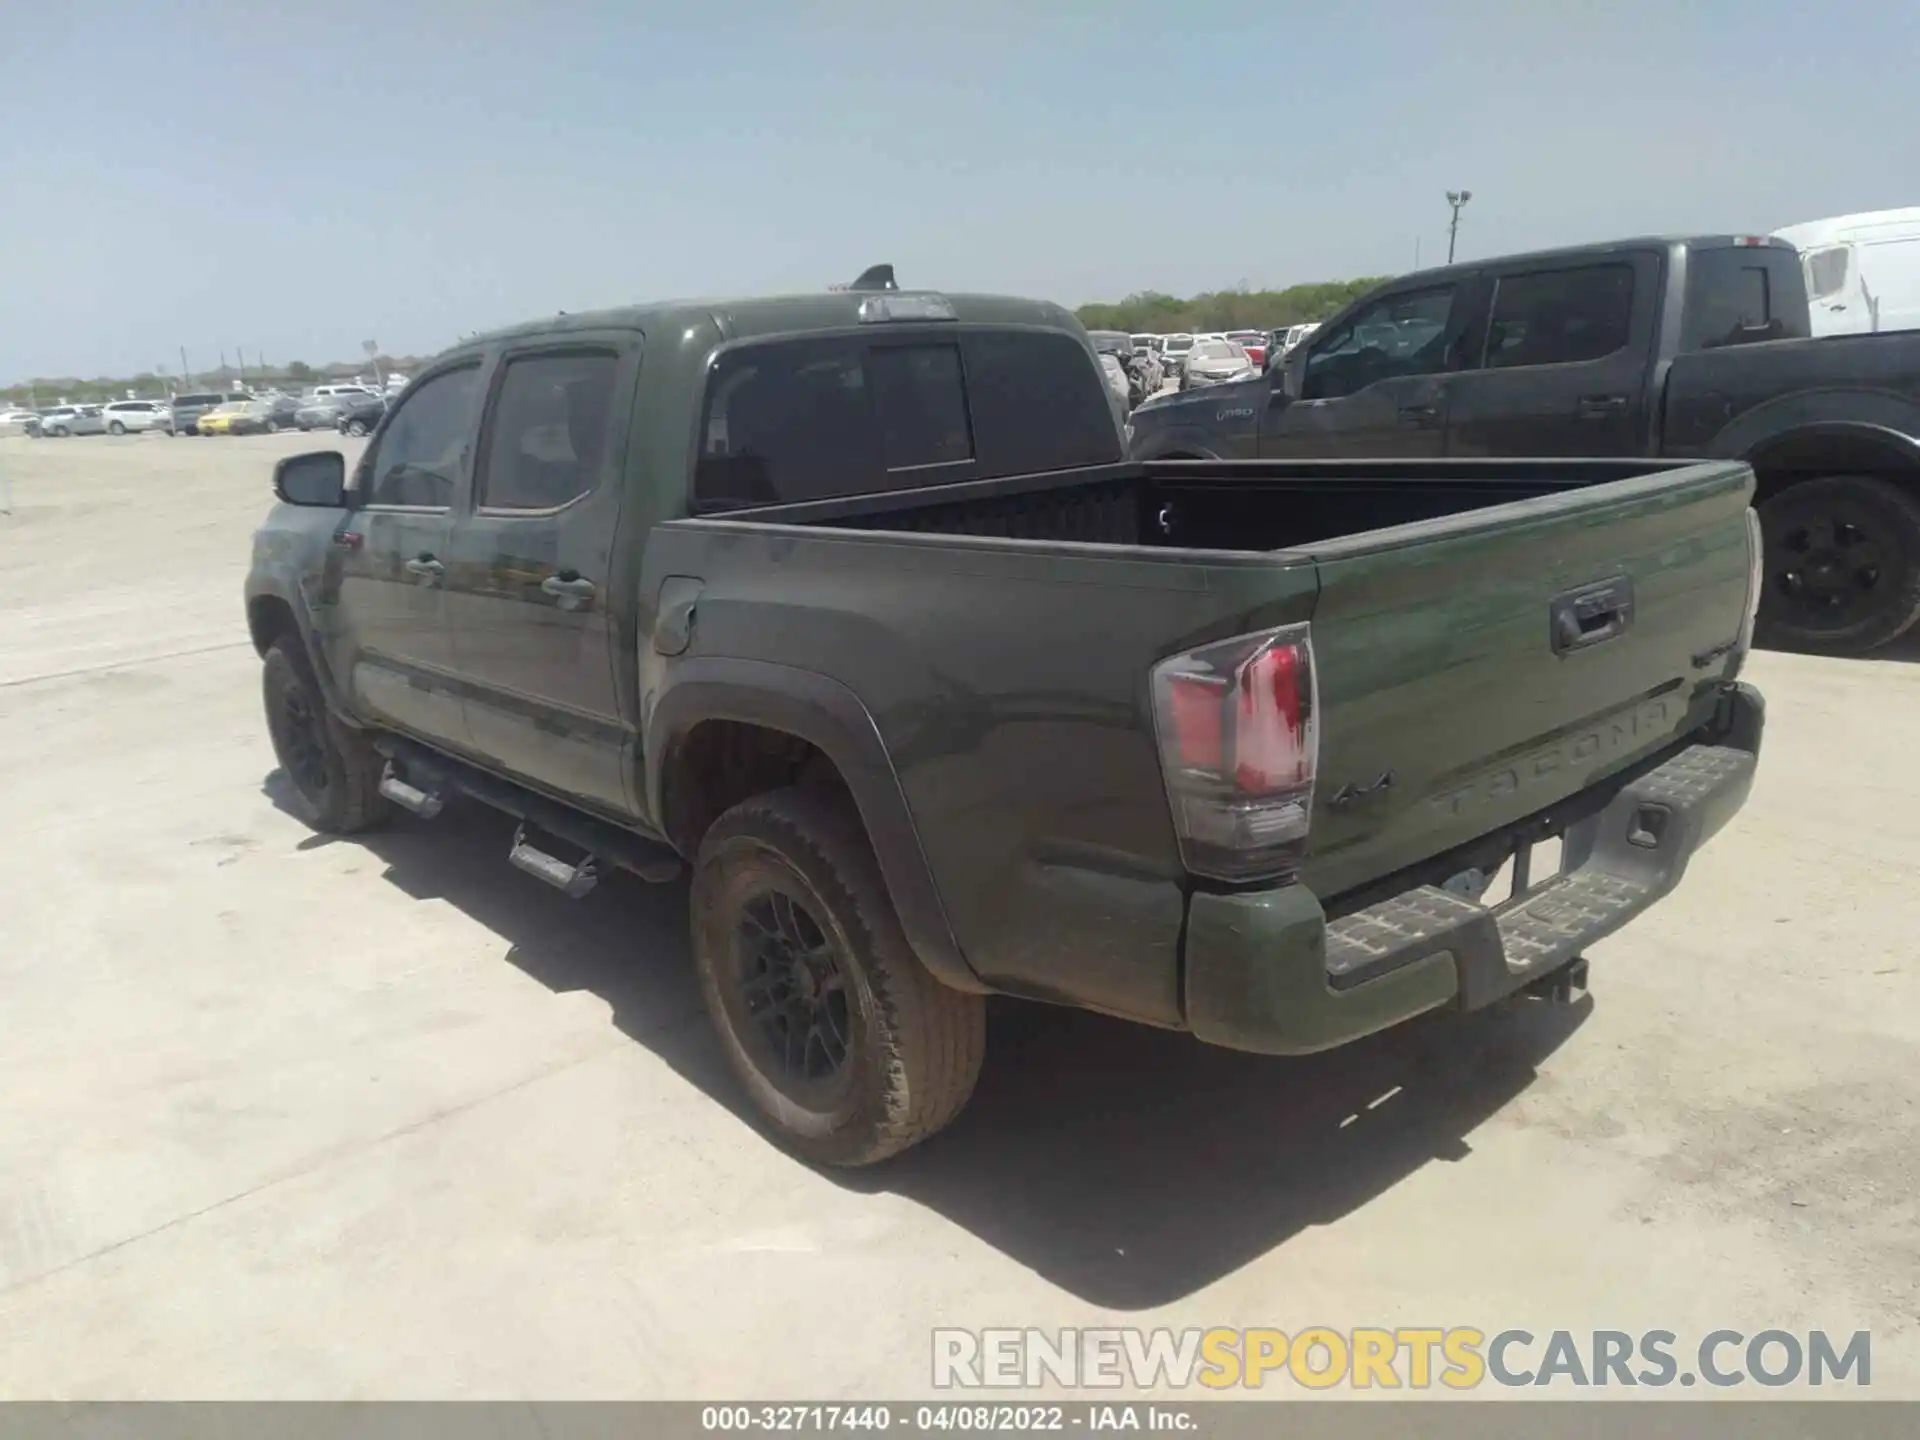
x: 1151, y: 313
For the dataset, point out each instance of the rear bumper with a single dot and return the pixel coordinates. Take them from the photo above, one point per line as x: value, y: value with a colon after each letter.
x: 1267, y: 972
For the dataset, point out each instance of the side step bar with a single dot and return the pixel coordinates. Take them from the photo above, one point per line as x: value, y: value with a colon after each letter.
x: 573, y: 881
x: 424, y: 803
x: 417, y: 780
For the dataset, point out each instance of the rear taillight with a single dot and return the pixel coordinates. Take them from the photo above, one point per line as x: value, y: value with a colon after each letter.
x: 1756, y: 577
x: 1239, y: 732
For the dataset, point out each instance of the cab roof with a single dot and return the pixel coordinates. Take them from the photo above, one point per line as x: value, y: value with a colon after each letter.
x: 1600, y: 249
x: 776, y: 315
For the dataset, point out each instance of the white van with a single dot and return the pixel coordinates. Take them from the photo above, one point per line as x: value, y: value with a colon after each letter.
x: 1863, y: 271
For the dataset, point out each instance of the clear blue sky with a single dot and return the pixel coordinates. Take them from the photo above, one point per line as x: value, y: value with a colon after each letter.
x: 300, y: 177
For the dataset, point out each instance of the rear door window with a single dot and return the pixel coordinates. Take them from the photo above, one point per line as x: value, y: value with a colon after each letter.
x: 793, y: 421
x: 548, y: 434
x: 1556, y: 317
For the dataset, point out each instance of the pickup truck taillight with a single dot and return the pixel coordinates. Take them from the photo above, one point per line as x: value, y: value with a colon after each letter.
x: 1756, y: 578
x: 1239, y: 731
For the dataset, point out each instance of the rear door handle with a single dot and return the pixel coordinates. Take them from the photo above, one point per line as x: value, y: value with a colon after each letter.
x: 1596, y: 407
x: 570, y: 590
x: 1420, y: 417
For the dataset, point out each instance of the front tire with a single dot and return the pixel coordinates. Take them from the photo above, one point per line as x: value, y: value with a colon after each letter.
x: 357, y: 428
x: 1841, y: 565
x: 849, y: 1048
x: 333, y: 773
x: 273, y: 427
x: 116, y: 428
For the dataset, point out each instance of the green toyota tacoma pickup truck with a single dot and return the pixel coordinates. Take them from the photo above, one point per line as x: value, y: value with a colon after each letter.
x: 852, y: 603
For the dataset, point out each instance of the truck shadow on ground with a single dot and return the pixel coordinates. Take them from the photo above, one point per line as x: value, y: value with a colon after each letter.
x: 1129, y: 1166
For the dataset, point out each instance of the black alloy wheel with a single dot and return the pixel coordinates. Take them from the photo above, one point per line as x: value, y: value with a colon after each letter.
x: 1841, y: 568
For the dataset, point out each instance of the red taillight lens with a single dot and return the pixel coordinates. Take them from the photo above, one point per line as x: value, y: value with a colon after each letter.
x: 1270, y: 721
x: 1239, y: 742
x: 1199, y: 719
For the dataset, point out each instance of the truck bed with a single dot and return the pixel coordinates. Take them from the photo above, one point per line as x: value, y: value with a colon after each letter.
x: 1002, y: 635
x: 1229, y: 505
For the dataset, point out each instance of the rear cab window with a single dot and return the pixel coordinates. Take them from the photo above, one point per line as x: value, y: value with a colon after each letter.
x: 827, y: 417
x: 1740, y: 294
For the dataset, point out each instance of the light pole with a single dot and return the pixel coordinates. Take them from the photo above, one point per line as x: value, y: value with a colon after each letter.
x: 1457, y: 199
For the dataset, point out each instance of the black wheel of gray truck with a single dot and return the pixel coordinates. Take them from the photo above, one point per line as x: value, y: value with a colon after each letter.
x: 333, y: 773
x: 356, y: 428
x: 1841, y: 565
x: 850, y: 1050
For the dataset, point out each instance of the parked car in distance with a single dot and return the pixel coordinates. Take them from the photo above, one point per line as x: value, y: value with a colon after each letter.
x: 18, y: 422
x: 37, y: 426
x: 1238, y: 767
x: 339, y: 391
x: 1254, y: 342
x: 1685, y: 348
x: 1863, y: 271
x: 65, y: 420
x: 282, y: 413
x: 187, y: 409
x: 1212, y: 361
x: 1118, y: 385
x: 359, y: 415
x: 136, y: 416
x: 1292, y: 335
x: 1146, y: 345
x: 319, y: 412
x: 230, y: 417
x: 1173, y: 352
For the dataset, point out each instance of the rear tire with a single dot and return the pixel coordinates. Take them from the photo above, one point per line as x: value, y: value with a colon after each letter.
x: 116, y: 428
x: 356, y: 428
x: 794, y: 936
x: 1841, y: 567
x: 273, y: 427
x: 333, y: 772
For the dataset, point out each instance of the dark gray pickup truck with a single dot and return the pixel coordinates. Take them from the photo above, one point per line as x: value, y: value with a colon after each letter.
x: 1686, y: 348
x: 852, y: 603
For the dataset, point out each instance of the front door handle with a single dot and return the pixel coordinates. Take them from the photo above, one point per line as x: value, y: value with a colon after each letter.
x: 1420, y: 417
x: 426, y: 568
x: 570, y: 590
x: 1598, y: 407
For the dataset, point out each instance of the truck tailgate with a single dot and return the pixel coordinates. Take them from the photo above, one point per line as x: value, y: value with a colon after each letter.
x: 1487, y: 666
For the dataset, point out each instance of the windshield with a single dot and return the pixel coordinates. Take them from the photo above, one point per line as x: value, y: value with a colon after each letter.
x: 1218, y: 350
x: 1179, y: 344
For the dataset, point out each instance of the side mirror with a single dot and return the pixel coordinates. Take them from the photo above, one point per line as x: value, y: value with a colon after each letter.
x: 1285, y: 373
x: 318, y: 477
